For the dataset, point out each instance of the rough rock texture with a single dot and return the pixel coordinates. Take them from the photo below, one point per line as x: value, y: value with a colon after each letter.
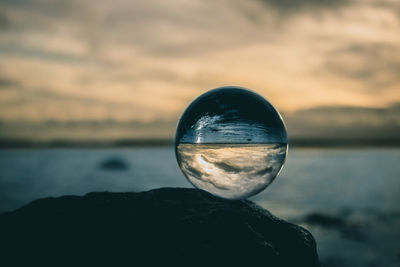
x: 162, y: 227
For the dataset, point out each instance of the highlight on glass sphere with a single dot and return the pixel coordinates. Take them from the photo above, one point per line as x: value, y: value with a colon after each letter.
x: 231, y: 142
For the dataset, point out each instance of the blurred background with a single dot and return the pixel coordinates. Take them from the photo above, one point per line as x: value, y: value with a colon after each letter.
x: 91, y: 92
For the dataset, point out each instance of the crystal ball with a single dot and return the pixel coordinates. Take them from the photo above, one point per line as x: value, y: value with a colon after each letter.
x: 231, y: 142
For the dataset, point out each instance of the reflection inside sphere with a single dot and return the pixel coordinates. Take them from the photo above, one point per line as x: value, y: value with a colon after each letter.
x: 231, y: 142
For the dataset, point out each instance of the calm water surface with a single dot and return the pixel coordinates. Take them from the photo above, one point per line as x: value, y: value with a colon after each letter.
x: 348, y: 198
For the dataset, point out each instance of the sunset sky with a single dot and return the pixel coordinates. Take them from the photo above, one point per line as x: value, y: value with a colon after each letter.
x: 127, y: 68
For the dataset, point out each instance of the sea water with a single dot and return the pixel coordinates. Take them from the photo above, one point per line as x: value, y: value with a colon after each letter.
x: 360, y: 187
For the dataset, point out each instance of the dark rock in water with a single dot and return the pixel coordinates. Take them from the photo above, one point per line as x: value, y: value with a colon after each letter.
x: 162, y: 227
x: 324, y: 220
x: 114, y: 164
x: 347, y: 229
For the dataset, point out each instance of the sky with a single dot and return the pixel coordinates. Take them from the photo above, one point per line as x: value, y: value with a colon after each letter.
x: 97, y: 69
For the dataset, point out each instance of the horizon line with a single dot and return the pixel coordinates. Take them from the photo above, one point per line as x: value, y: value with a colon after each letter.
x: 154, y: 142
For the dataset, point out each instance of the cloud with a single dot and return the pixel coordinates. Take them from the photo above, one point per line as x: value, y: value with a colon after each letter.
x: 86, y: 130
x: 41, y: 104
x: 299, y: 5
x: 147, y: 60
x: 21, y: 50
x: 319, y: 123
x: 6, y: 83
x: 351, y: 123
x: 4, y: 21
x: 377, y: 65
x: 53, y: 8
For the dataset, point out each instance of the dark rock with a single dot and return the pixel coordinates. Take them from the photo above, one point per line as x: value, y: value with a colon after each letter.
x: 162, y: 227
x: 114, y: 164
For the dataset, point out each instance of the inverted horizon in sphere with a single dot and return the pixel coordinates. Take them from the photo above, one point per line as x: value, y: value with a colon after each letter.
x: 231, y: 142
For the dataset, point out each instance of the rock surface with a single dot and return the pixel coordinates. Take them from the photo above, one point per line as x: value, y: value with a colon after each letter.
x: 161, y: 227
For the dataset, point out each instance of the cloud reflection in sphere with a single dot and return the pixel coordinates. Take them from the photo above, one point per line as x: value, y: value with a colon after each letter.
x: 231, y: 142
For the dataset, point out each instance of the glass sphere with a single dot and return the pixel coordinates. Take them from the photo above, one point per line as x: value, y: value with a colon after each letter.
x: 231, y: 142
